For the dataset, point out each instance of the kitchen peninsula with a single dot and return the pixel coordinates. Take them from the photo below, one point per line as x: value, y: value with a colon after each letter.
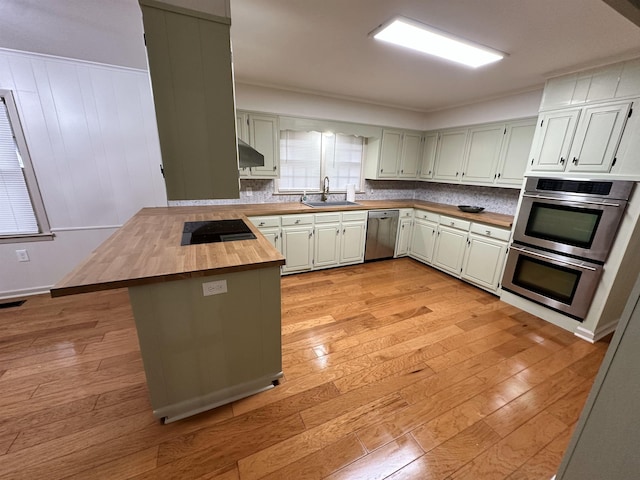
x: 207, y: 315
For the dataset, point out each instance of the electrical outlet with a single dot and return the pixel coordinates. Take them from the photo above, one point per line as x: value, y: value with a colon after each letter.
x: 214, y: 288
x: 249, y: 191
x: 22, y: 255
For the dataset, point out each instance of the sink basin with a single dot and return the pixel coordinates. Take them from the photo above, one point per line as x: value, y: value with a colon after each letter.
x: 341, y: 203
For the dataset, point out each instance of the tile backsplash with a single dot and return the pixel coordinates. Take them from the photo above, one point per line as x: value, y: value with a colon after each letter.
x: 499, y: 200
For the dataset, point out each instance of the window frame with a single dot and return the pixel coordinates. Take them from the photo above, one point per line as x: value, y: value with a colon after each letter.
x: 44, y: 229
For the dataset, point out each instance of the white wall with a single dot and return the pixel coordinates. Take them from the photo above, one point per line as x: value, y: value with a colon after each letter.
x: 283, y: 102
x: 93, y: 141
x: 506, y: 108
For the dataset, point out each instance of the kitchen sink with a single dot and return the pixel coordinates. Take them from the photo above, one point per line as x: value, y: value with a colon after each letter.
x: 340, y: 203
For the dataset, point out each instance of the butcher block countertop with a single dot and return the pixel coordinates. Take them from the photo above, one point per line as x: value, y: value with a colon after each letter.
x: 147, y: 248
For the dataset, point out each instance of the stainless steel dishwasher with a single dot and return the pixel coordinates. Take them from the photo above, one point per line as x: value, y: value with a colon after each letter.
x: 382, y: 229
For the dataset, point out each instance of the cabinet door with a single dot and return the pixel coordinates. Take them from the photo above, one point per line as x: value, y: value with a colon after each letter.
x: 428, y: 156
x: 423, y: 240
x: 449, y: 155
x: 264, y: 135
x: 554, y: 140
x: 327, y: 245
x: 190, y: 68
x: 484, y: 261
x: 411, y: 155
x: 297, y: 248
x: 449, y: 249
x: 390, y: 153
x: 482, y: 154
x: 404, y: 237
x: 514, y: 154
x: 352, y: 242
x: 274, y: 236
x: 597, y: 138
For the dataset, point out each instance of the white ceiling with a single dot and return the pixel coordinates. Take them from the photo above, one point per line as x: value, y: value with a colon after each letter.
x: 323, y: 47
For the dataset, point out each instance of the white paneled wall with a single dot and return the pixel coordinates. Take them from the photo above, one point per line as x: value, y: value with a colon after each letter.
x: 93, y: 141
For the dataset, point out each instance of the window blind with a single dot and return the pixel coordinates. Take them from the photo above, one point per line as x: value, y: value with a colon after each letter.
x: 300, y: 154
x: 343, y: 160
x: 16, y: 211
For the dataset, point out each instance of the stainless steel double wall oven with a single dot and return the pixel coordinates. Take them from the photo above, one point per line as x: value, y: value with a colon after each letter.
x: 562, y: 237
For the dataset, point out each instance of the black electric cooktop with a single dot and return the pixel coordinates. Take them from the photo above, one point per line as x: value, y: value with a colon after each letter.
x: 212, y: 231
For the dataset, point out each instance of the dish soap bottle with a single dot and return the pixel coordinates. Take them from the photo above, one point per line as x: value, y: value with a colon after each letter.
x: 304, y: 196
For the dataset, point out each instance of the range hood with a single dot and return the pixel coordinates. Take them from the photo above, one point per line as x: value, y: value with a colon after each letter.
x: 249, y: 156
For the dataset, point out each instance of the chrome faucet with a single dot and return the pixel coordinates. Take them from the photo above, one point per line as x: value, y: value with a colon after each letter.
x: 325, y: 189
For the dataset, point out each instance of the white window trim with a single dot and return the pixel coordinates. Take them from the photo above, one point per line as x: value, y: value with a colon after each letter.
x: 30, y: 177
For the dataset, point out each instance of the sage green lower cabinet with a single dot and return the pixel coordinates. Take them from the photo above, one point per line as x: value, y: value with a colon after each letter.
x: 485, y: 255
x: 423, y: 238
x: 200, y: 351
x: 403, y: 241
x: 269, y: 226
x: 451, y: 240
x: 352, y: 238
x: 297, y: 243
x: 326, y: 240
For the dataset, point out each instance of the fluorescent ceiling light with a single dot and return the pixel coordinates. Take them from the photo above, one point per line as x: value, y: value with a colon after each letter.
x: 418, y: 36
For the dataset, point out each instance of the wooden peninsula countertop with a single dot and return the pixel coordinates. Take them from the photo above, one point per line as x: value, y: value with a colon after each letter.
x: 147, y: 249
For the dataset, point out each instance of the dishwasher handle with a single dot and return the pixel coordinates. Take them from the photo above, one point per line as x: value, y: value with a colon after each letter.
x: 383, y: 214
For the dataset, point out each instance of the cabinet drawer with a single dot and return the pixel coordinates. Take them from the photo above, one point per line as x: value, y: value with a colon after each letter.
x: 271, y: 221
x: 359, y: 216
x: 489, y: 231
x: 406, y: 212
x: 434, y: 217
x: 297, y: 220
x: 455, y: 222
x: 333, y: 217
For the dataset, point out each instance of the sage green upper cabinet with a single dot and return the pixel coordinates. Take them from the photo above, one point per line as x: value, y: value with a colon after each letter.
x: 553, y: 140
x: 411, y: 155
x: 482, y: 153
x: 262, y: 133
x: 390, y: 150
x: 450, y: 155
x: 425, y: 172
x: 597, y: 137
x: 399, y: 157
x: 579, y: 139
x: 515, y: 151
x: 189, y: 56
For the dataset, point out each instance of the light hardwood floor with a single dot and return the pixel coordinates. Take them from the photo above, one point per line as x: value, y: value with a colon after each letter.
x: 392, y: 370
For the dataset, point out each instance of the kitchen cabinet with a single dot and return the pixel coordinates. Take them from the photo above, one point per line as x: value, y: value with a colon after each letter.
x: 189, y: 57
x: 262, y: 133
x: 425, y: 172
x: 514, y: 154
x: 297, y: 242
x: 400, y: 155
x: 423, y: 236
x: 451, y: 240
x: 579, y: 139
x: 269, y: 226
x: 326, y: 240
x: 403, y: 240
x: 482, y: 153
x: 485, y: 255
x: 450, y: 155
x: 354, y: 229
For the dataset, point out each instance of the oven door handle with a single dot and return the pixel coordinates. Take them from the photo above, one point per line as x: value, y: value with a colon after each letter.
x: 580, y: 202
x: 540, y: 255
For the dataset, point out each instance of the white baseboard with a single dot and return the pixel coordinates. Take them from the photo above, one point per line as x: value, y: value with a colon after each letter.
x: 600, y: 332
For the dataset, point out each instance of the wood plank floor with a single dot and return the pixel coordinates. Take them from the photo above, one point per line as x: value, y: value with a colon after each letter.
x: 393, y: 370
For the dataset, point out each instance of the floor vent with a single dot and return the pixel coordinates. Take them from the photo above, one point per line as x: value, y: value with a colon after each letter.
x: 12, y: 304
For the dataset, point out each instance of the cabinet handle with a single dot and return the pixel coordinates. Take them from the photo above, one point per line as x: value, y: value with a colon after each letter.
x: 574, y: 161
x: 276, y: 237
x: 297, y: 222
x: 457, y: 174
x: 337, y: 231
x: 463, y: 174
x: 402, y: 226
x: 402, y: 171
x: 310, y: 234
x: 561, y: 161
x: 488, y: 232
x: 344, y: 230
x: 261, y: 224
x: 274, y: 168
x: 429, y: 172
x: 495, y: 176
x: 452, y: 223
x: 380, y: 170
x: 499, y: 175
x: 532, y: 161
